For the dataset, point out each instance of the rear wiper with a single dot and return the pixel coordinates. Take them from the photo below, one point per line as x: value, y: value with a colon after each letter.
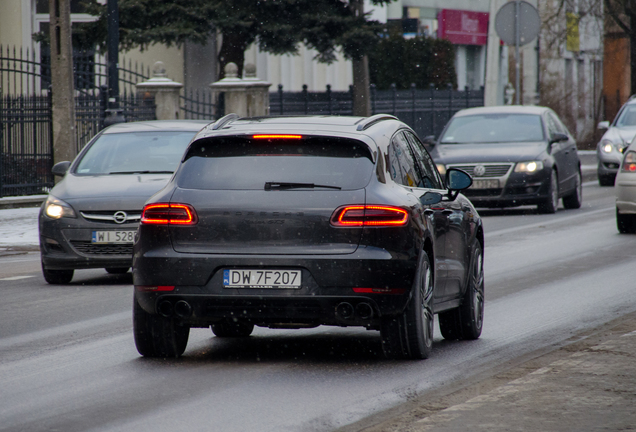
x: 284, y: 185
x: 141, y: 172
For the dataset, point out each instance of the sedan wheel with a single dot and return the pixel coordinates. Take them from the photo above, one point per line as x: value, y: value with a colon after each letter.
x: 156, y: 336
x: 551, y: 202
x: 410, y: 335
x: 57, y: 277
x: 626, y: 223
x: 574, y: 200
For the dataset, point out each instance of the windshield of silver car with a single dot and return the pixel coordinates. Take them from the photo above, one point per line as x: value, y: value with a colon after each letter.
x: 135, y: 153
x: 493, y: 128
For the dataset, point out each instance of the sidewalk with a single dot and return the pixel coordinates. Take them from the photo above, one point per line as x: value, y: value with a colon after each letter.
x: 589, y: 385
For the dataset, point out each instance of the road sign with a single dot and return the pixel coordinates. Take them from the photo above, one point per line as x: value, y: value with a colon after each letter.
x: 526, y: 19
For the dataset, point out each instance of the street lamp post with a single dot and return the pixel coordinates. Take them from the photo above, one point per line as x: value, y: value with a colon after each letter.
x: 114, y: 113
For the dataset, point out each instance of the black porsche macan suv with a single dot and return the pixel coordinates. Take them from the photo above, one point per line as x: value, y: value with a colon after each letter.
x: 295, y: 222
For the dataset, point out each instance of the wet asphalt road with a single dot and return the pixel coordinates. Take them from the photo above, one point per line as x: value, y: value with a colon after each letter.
x: 68, y: 361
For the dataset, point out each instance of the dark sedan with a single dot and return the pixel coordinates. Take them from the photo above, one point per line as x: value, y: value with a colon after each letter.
x: 297, y: 222
x: 517, y: 155
x: 90, y: 218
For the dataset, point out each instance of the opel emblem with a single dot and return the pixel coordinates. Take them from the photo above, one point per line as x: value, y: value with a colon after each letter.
x: 479, y: 171
x: 120, y: 217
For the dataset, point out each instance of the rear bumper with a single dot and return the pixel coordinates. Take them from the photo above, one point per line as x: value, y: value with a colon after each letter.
x: 327, y: 281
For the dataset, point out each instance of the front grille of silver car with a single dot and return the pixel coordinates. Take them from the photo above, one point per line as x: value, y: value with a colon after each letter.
x: 88, y: 248
x: 491, y: 169
x: 112, y: 217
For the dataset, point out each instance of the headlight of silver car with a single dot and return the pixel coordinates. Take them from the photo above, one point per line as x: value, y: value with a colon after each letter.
x: 56, y: 208
x: 529, y: 167
x: 607, y: 146
x: 442, y: 169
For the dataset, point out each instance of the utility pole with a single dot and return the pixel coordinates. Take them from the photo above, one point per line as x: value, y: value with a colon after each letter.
x: 63, y: 97
x: 361, y: 84
x: 113, y: 113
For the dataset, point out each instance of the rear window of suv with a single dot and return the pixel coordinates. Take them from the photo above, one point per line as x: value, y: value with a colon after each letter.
x: 240, y: 163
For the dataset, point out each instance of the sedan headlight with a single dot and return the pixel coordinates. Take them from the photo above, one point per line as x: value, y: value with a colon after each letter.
x: 607, y: 146
x: 529, y: 167
x: 442, y: 169
x: 629, y: 162
x: 56, y: 208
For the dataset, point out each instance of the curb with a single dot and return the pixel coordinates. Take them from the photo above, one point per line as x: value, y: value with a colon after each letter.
x: 22, y: 201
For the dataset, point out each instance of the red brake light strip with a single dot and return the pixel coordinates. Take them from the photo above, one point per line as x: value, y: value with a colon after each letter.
x: 283, y: 136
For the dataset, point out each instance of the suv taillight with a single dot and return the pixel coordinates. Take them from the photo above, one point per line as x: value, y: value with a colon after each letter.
x: 629, y: 162
x: 168, y: 214
x: 369, y: 216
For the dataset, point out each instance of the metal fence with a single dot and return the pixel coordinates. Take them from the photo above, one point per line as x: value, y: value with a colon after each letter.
x: 198, y: 105
x: 26, y: 153
x: 426, y: 110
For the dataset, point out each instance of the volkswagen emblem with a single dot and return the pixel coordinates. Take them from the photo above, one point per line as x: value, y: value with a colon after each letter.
x: 120, y: 217
x: 479, y: 171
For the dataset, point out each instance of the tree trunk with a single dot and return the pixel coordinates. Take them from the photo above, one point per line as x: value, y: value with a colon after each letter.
x: 361, y: 91
x: 233, y: 46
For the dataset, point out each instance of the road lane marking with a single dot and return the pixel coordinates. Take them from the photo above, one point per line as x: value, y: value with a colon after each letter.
x: 13, y: 278
x: 546, y: 223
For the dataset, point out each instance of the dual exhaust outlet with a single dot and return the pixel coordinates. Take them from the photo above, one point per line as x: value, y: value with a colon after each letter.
x: 181, y: 309
x: 347, y: 311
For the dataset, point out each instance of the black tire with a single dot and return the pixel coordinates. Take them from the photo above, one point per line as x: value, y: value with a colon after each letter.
x: 57, y: 277
x: 117, y: 270
x: 626, y: 223
x: 410, y: 335
x: 551, y: 202
x: 156, y: 336
x: 466, y: 321
x: 574, y: 200
x: 606, y: 180
x: 232, y: 329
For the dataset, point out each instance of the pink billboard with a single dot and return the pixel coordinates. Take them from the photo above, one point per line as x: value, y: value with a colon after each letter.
x: 463, y: 27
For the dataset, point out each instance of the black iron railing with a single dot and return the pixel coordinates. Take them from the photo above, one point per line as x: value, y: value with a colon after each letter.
x: 426, y: 110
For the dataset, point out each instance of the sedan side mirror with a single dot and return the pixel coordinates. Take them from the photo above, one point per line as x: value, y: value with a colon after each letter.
x: 603, y: 125
x: 60, y: 168
x: 558, y: 137
x: 429, y: 140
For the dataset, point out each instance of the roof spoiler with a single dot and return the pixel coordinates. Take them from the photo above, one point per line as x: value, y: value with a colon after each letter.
x: 370, y: 121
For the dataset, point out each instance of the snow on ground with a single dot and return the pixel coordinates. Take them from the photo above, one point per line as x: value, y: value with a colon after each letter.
x: 19, y: 227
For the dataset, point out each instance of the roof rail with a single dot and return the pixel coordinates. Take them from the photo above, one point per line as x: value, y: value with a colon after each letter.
x: 224, y: 120
x: 370, y: 121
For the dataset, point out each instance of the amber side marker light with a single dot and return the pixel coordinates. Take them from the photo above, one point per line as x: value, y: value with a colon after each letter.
x: 283, y: 136
x: 168, y: 214
x: 369, y: 216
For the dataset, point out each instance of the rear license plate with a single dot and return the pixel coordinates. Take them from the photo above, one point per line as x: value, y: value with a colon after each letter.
x: 113, y: 237
x: 246, y: 278
x: 485, y: 184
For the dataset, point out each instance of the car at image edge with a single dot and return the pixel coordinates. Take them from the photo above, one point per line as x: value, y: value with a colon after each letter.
x: 625, y: 189
x: 296, y: 222
x: 91, y: 216
x: 614, y: 141
x: 517, y: 155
